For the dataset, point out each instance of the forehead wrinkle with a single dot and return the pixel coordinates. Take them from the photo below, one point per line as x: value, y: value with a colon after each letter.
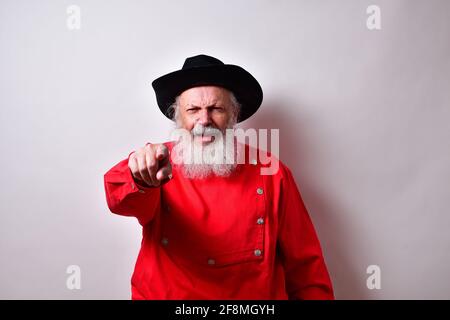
x: 207, y: 104
x: 201, y: 97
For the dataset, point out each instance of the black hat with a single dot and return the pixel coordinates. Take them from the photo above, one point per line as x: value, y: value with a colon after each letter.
x: 202, y: 70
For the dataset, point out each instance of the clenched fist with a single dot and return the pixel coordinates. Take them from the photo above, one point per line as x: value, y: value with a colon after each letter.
x: 150, y: 164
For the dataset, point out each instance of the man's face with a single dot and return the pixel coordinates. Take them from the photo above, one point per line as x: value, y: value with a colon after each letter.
x: 206, y: 112
x: 209, y: 106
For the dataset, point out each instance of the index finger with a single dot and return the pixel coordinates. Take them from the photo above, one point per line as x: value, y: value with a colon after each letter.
x: 162, y: 152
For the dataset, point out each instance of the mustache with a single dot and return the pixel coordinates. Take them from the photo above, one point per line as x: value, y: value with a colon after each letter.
x: 200, y: 130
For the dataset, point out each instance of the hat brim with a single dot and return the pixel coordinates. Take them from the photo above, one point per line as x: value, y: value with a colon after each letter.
x: 245, y: 87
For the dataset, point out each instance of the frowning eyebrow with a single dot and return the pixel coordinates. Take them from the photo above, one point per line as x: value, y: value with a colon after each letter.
x: 212, y: 105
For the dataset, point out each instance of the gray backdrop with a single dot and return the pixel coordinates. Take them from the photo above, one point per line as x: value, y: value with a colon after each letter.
x: 363, y: 116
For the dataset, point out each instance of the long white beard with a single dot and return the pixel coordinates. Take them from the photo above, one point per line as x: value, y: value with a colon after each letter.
x: 197, y: 161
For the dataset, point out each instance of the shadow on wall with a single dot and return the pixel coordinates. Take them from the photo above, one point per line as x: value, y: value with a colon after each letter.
x: 297, y: 150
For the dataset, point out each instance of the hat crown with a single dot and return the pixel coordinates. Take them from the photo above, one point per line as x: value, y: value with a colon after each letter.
x: 201, y: 60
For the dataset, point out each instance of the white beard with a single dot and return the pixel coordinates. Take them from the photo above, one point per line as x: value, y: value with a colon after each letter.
x: 197, y: 161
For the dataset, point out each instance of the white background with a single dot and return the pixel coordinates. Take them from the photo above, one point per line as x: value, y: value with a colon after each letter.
x: 363, y: 117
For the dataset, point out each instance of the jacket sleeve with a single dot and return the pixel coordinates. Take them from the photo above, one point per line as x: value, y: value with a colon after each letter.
x: 126, y: 197
x: 305, y: 270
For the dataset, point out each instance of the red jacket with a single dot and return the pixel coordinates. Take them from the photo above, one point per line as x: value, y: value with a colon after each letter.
x: 247, y: 236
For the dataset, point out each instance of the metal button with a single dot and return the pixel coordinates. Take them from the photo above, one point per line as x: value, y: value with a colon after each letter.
x: 165, y: 241
x: 257, y: 252
x: 259, y: 191
x: 253, y: 162
x: 211, y: 262
x: 141, y: 191
x: 260, y: 221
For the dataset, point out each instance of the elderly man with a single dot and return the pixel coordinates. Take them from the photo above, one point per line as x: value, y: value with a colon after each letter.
x: 215, y: 229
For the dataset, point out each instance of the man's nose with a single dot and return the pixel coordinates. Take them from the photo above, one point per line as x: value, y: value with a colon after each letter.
x: 204, y: 118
